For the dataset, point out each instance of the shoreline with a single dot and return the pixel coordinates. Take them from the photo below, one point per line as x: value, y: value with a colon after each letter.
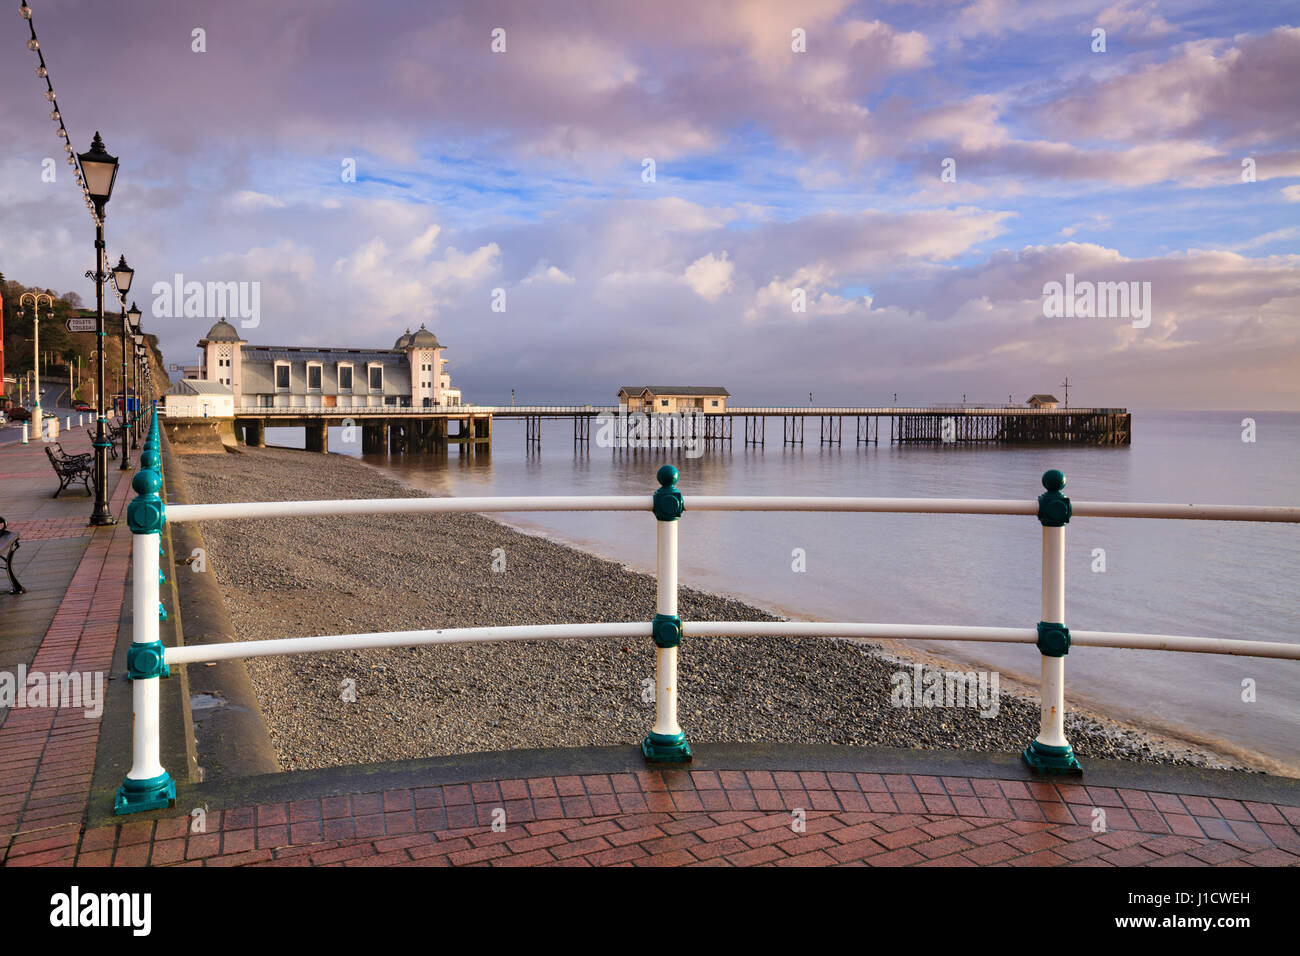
x: 292, y: 577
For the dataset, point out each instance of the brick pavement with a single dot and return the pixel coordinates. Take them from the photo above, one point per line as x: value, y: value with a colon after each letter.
x: 67, y: 621
x: 714, y: 818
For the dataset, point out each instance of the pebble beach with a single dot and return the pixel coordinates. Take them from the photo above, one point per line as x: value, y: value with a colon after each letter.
x: 293, y: 577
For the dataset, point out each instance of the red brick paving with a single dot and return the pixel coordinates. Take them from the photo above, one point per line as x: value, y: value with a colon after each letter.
x: 48, y: 754
x: 40, y: 529
x: 452, y: 827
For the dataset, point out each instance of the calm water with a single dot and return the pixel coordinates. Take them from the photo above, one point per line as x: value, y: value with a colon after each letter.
x: 1210, y: 579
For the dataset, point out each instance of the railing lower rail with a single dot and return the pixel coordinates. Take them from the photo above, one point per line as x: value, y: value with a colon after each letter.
x: 148, y: 786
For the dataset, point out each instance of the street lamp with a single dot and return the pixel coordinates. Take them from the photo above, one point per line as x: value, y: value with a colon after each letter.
x: 100, y: 172
x: 36, y: 350
x: 133, y: 314
x: 122, y: 276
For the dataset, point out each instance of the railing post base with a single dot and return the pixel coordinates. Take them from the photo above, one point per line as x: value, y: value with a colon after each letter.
x: 666, y: 748
x: 1044, y: 758
x: 137, y: 796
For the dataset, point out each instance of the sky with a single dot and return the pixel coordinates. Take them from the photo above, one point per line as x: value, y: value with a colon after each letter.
x: 578, y: 196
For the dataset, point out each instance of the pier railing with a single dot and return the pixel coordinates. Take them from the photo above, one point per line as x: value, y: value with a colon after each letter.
x: 811, y: 411
x: 148, y: 785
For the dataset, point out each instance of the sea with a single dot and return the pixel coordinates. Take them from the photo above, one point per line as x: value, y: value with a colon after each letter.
x: 1200, y: 578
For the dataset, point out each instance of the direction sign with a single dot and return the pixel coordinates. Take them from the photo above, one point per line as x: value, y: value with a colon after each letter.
x: 78, y: 324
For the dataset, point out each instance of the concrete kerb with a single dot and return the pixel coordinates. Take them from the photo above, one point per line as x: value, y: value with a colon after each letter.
x: 231, y: 738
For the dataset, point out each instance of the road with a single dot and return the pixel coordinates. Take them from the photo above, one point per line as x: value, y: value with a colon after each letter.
x: 55, y: 399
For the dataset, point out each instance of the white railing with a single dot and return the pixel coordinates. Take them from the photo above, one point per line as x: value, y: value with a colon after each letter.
x: 1049, y: 752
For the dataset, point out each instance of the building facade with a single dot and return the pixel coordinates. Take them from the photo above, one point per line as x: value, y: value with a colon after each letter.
x: 195, y: 398
x: 410, y: 374
x: 659, y: 399
x: 1042, y: 401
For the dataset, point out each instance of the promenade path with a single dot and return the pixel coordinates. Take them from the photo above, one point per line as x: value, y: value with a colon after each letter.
x: 737, y: 805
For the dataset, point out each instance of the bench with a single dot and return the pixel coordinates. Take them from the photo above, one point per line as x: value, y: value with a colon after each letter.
x: 60, y: 453
x: 108, y: 437
x: 9, y: 545
x: 70, y: 469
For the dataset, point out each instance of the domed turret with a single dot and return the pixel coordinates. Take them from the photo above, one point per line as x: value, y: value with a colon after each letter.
x: 424, y: 339
x: 223, y: 331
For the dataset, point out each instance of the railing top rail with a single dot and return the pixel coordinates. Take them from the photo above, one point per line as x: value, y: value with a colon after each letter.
x: 236, y: 650
x: 526, y: 503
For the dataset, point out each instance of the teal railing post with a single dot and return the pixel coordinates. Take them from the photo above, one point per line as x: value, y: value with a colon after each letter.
x: 1050, y: 752
x: 666, y: 743
x: 147, y: 785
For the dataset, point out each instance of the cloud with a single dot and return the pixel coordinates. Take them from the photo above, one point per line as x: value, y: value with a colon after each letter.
x: 1133, y: 20
x: 248, y: 199
x: 710, y: 276
x: 1238, y: 92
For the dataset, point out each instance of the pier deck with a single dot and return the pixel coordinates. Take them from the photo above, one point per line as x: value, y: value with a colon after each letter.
x: 400, y: 429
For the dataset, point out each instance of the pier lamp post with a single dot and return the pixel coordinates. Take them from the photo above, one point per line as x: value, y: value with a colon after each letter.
x: 100, y: 173
x: 123, y: 274
x: 36, y: 298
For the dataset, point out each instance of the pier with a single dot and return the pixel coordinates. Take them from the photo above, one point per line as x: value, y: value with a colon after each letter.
x: 400, y: 429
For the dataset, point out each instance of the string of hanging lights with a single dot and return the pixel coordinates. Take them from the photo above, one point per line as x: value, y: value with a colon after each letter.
x: 56, y: 114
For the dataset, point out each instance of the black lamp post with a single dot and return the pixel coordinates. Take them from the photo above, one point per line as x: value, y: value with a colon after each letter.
x: 100, y: 171
x: 122, y: 276
x: 137, y: 339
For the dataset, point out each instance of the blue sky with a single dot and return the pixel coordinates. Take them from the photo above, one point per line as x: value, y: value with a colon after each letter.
x: 775, y: 171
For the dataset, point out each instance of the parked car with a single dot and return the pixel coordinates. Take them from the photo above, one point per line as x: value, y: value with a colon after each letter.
x: 19, y: 414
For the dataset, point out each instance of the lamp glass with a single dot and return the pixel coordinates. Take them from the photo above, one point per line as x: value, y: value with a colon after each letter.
x: 122, y: 275
x: 100, y: 170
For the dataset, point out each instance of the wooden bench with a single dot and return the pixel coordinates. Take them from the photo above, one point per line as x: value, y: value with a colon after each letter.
x: 8, y: 545
x: 69, y: 469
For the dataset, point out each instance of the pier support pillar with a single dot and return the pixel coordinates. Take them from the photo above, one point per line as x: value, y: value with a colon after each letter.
x: 317, y: 437
x: 255, y: 434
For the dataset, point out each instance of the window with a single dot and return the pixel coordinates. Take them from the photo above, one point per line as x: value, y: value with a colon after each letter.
x: 663, y: 402
x: 313, y: 377
x: 715, y: 403
x: 282, y: 377
x: 376, y: 378
x: 345, y: 378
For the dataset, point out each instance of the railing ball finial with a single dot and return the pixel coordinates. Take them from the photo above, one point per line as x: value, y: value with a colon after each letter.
x: 145, y: 514
x: 668, y: 504
x: 1054, y: 508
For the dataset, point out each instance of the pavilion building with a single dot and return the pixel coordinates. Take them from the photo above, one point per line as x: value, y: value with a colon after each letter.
x: 411, y: 374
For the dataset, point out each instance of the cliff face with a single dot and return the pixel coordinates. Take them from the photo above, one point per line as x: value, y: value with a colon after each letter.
x: 66, y: 355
